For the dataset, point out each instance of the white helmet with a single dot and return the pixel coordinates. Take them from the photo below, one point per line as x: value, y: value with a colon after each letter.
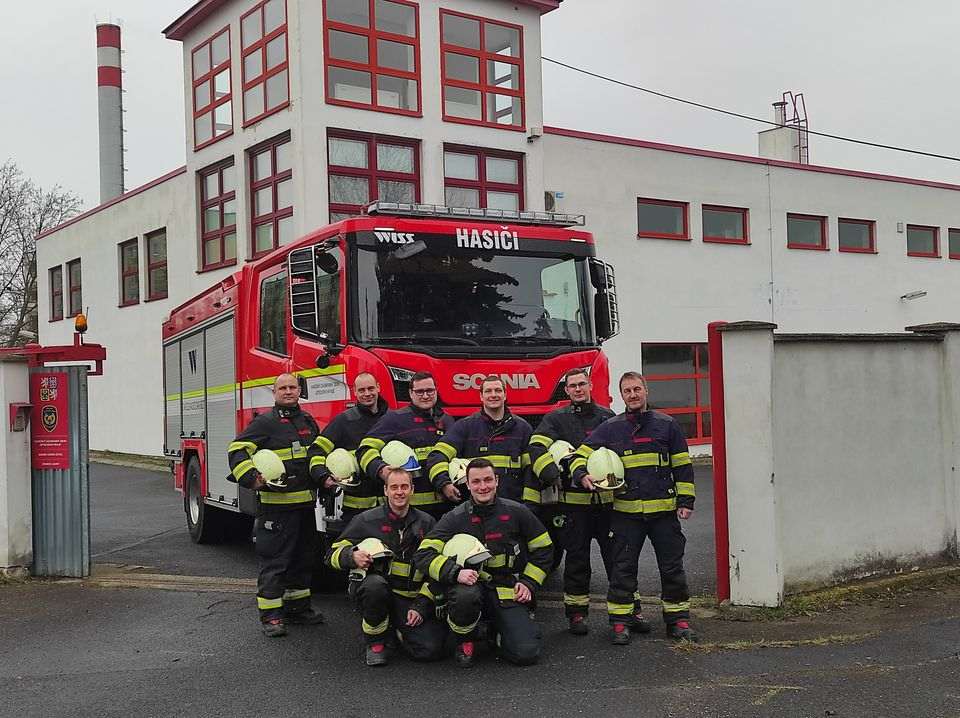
x: 458, y: 470
x: 271, y: 468
x: 467, y: 551
x: 561, y: 450
x: 343, y: 467
x: 381, y: 555
x: 400, y: 456
x: 606, y: 468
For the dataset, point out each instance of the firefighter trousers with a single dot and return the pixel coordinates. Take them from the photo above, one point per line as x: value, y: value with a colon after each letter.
x: 628, y: 535
x: 576, y: 530
x: 380, y: 608
x: 285, y: 553
x: 519, y: 638
x: 548, y: 513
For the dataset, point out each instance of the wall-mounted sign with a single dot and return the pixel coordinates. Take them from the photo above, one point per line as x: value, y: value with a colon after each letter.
x: 50, y: 439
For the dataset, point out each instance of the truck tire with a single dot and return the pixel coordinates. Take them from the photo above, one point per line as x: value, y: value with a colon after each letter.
x: 205, y: 523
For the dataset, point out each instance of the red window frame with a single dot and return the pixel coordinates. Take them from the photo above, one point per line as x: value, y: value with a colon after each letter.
x: 935, y: 254
x: 207, y: 77
x: 702, y: 402
x: 153, y: 293
x: 745, y: 220
x: 55, y: 275
x: 823, y: 246
x: 371, y: 172
x: 75, y: 290
x: 271, y: 181
x: 373, y: 35
x: 126, y: 271
x: 872, y: 228
x: 482, y: 184
x: 951, y: 233
x: 260, y: 46
x: 484, y: 86
x: 220, y: 200
x: 684, y: 207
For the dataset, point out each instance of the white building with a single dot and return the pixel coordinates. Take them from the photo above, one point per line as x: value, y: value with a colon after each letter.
x: 285, y: 133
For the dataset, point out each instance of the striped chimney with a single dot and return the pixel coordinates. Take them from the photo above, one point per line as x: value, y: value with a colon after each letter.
x: 109, y: 90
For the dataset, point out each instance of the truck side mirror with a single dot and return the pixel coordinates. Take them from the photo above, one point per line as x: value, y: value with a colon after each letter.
x: 323, y: 361
x: 302, y: 383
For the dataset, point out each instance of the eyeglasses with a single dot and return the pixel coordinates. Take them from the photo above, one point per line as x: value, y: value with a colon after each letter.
x: 423, y: 392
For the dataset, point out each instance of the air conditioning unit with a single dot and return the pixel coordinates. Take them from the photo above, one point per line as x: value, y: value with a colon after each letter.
x: 550, y: 200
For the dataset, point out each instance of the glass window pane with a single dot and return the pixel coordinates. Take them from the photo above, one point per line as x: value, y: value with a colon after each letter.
x: 253, y: 65
x: 921, y: 240
x: 396, y: 18
x: 350, y: 85
x: 460, y: 166
x: 263, y: 237
x: 157, y: 248
x: 349, y: 46
x: 502, y: 40
x: 263, y: 201
x: 352, y: 12
x: 461, y: 197
x: 461, y: 31
x: 672, y: 393
x: 221, y: 84
x: 503, y: 74
x: 705, y: 421
x: 282, y: 153
x: 349, y: 190
x: 277, y: 90
x: 229, y: 213
x: 220, y: 49
x: 394, y: 158
x: 338, y: 216
x: 261, y: 165
x: 853, y: 235
x: 276, y: 51
x: 395, y: 55
x: 503, y: 109
x: 273, y: 15
x: 397, y: 92
x: 688, y: 422
x: 211, y: 185
x: 253, y: 102
x: 659, y: 218
x: 250, y: 29
x: 703, y: 397
x: 284, y: 194
x: 391, y: 191
x: 347, y: 153
x: 667, y: 359
x: 129, y: 256
x: 804, y: 231
x: 462, y: 67
x: 458, y: 102
x: 228, y: 181
x: 211, y: 219
x: 722, y: 224
x: 503, y: 200
x: 704, y: 358
x: 211, y: 250
x: 201, y: 95
x: 230, y: 247
x: 223, y: 117
x: 953, y: 237
x: 158, y: 281
x: 500, y: 169
x: 131, y: 288
x: 75, y: 274
x: 203, y: 128
x: 201, y: 62
x: 285, y: 230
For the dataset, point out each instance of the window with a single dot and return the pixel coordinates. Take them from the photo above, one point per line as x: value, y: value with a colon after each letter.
x: 856, y: 235
x: 662, y: 219
x: 271, y: 192
x: 263, y: 39
x: 476, y: 178
x: 129, y: 273
x: 73, y: 287
x: 273, y: 314
x: 157, y: 265
x: 56, y: 293
x: 218, y: 216
x: 806, y: 231
x: 373, y: 54
x: 212, y: 90
x: 364, y: 168
x: 923, y: 241
x: 481, y: 65
x: 726, y: 225
x: 678, y: 379
x: 953, y: 238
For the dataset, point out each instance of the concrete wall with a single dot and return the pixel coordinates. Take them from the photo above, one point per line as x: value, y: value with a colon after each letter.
x: 841, y: 456
x: 16, y: 523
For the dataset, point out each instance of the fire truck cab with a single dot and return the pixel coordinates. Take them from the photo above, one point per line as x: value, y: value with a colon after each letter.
x: 405, y: 288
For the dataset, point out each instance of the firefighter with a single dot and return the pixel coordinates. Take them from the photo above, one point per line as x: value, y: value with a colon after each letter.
x: 419, y: 426
x: 491, y: 433
x: 502, y: 590
x: 345, y: 432
x: 285, y: 527
x: 579, y: 516
x: 391, y: 592
x: 658, y: 492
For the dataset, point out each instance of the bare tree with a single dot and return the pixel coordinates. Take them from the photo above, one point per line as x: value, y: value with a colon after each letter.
x: 26, y: 210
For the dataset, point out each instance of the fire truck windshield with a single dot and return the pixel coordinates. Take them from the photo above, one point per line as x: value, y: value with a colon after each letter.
x: 458, y: 297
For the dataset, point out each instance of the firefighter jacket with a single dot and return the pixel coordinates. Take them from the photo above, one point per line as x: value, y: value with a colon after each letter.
x: 403, y: 536
x: 416, y: 428
x: 288, y: 431
x: 520, y: 547
x: 572, y: 423
x: 657, y: 468
x: 345, y: 431
x: 503, y: 442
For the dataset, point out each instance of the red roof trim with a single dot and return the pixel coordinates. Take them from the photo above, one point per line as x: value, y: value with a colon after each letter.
x: 203, y: 9
x: 116, y: 200
x: 612, y: 139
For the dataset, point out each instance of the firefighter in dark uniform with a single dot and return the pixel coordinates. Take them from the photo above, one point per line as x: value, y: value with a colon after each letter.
x: 397, y: 595
x: 419, y: 426
x: 492, y: 433
x: 345, y: 432
x: 285, y: 526
x: 503, y: 589
x: 659, y: 491
x: 580, y: 516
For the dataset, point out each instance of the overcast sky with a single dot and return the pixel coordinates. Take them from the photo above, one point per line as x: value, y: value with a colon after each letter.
x: 884, y: 70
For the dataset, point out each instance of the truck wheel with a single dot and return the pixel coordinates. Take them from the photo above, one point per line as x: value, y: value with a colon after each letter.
x: 204, y: 522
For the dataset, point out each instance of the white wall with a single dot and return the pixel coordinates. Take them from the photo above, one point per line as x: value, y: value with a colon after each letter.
x: 16, y: 510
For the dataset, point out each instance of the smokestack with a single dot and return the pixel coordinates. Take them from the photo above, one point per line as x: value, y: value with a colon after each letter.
x: 109, y: 91
x: 789, y: 140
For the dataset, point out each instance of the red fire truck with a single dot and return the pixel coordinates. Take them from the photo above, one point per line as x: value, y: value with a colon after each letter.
x: 460, y: 293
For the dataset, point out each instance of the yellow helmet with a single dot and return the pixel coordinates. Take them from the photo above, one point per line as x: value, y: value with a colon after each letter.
x: 400, y: 456
x: 561, y: 450
x: 458, y: 470
x: 343, y: 467
x: 606, y: 468
x: 381, y: 555
x: 467, y: 551
x: 271, y: 467
x: 376, y: 548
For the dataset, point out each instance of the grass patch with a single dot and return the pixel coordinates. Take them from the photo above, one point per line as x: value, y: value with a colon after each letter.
x: 135, y: 460
x: 831, y: 640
